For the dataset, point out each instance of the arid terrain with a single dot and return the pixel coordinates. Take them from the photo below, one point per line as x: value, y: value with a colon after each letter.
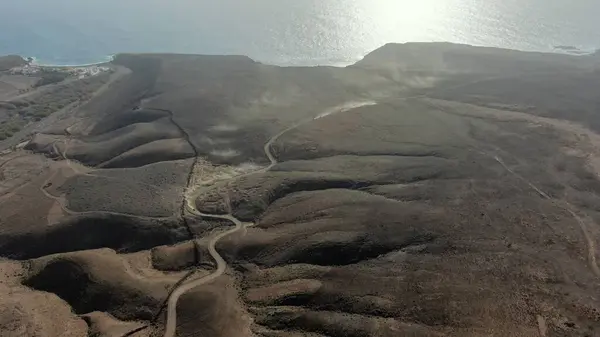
x: 427, y: 190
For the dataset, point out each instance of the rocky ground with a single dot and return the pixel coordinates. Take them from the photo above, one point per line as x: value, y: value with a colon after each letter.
x: 428, y: 190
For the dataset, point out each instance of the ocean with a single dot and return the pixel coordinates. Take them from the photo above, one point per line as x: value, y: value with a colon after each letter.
x: 286, y: 32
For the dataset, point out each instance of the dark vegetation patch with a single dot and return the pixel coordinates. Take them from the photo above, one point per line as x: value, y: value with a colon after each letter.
x: 163, y: 175
x: 38, y: 106
x: 9, y: 127
x: 191, y: 86
x: 250, y: 209
x: 126, y: 93
x: 376, y: 169
x: 443, y: 58
x: 571, y: 98
x: 334, y: 227
x: 129, y: 197
x: 117, y: 121
x: 157, y: 151
x: 392, y: 127
x: 178, y: 257
x: 119, y: 126
x: 209, y: 310
x: 97, y: 149
x: 431, y: 191
x: 251, y: 195
x: 50, y: 76
x: 335, y: 248
x: 58, y: 97
x: 122, y: 233
x: 11, y: 61
x: 248, y: 142
x: 96, y: 281
x: 336, y: 324
x: 330, y: 248
x: 441, y: 282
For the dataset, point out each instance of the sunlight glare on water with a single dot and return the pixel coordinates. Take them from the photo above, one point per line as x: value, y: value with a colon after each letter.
x: 298, y: 32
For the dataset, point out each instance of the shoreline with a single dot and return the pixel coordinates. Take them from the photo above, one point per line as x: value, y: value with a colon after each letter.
x: 558, y: 49
x: 34, y: 61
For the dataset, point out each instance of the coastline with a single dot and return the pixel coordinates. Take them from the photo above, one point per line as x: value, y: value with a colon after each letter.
x: 558, y: 49
x: 34, y: 61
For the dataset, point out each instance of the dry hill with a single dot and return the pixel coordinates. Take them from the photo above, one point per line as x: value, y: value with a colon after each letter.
x: 427, y: 190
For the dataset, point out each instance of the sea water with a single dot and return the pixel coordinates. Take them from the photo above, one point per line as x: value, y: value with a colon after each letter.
x: 287, y: 32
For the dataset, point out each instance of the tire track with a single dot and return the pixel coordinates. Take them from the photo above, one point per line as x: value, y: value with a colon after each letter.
x: 79, y: 172
x: 590, y: 243
x: 14, y: 190
x: 47, y: 183
x: 589, y: 240
x: 59, y: 200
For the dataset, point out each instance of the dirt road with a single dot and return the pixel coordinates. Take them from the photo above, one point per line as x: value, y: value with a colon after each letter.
x: 590, y: 243
x: 220, y: 262
x: 340, y: 108
x: 221, y: 266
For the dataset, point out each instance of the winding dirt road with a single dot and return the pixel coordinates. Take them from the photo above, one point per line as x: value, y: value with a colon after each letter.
x: 221, y: 267
x: 220, y: 262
